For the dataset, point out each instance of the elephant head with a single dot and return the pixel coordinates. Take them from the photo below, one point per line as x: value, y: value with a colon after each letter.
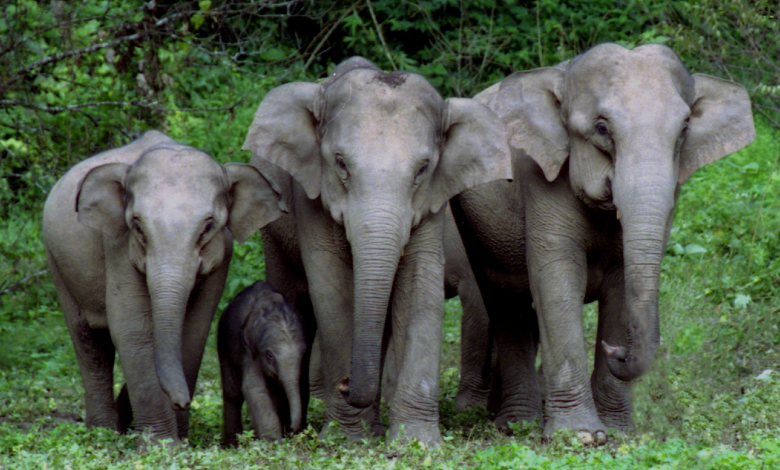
x: 274, y: 337
x: 633, y: 125
x: 178, y: 211
x: 382, y: 151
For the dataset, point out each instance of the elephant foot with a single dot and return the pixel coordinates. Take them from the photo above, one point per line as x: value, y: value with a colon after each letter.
x: 618, y: 420
x: 352, y: 433
x: 612, y: 398
x: 586, y: 423
x: 509, y: 415
x: 425, y: 432
x: 521, y: 406
x: 471, y: 398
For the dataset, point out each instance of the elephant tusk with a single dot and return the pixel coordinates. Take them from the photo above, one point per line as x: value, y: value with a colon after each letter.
x: 618, y: 352
x: 344, y: 386
x: 617, y: 214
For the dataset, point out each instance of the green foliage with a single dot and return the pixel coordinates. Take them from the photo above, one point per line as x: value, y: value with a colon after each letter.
x: 199, y: 75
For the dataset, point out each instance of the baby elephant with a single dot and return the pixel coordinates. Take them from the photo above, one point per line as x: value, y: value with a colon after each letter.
x: 261, y: 344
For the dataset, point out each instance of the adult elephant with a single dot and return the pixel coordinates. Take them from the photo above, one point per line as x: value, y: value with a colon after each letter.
x: 600, y: 147
x: 138, y: 241
x: 367, y: 160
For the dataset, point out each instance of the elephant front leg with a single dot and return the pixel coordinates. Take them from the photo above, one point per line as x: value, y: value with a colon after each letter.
x: 202, y: 305
x: 417, y: 317
x: 265, y: 416
x: 325, y: 254
x: 611, y: 395
x: 558, y: 275
x: 130, y: 323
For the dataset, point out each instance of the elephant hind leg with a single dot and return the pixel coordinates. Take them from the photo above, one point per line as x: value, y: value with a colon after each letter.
x: 517, y: 340
x: 611, y: 395
x: 95, y: 356
x: 477, y: 351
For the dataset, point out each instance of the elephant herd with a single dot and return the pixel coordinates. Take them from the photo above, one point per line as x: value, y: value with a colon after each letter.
x: 552, y: 188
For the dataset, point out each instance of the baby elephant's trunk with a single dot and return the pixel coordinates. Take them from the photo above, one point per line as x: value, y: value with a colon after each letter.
x: 292, y: 388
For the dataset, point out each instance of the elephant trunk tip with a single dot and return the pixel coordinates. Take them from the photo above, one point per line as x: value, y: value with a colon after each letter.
x: 181, y: 403
x: 624, y: 365
x: 177, y: 392
x: 358, y: 400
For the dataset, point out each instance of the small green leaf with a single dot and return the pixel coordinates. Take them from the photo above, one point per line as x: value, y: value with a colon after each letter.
x: 742, y: 300
x: 197, y: 20
x: 694, y: 250
x: 205, y: 5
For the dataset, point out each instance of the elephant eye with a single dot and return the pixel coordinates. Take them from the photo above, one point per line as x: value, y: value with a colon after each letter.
x: 685, y: 127
x: 209, y: 226
x: 269, y: 356
x: 340, y: 163
x: 422, y: 170
x: 139, y: 231
x: 601, y: 128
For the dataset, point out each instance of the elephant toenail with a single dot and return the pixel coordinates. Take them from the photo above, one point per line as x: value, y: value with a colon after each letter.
x: 601, y: 438
x: 585, y: 437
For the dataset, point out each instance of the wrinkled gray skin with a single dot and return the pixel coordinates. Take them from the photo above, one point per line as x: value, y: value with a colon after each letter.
x: 261, y: 344
x: 600, y: 148
x: 370, y: 160
x: 138, y: 241
x: 477, y: 361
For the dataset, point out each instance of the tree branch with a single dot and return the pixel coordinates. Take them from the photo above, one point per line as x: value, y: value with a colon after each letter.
x: 85, y: 50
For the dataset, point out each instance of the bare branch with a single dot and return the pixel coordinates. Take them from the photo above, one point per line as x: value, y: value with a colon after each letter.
x: 379, y: 33
x: 85, y: 50
x: 141, y: 104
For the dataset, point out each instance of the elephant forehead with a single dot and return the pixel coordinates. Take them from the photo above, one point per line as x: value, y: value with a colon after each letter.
x: 183, y: 168
x: 370, y: 92
x: 652, y: 71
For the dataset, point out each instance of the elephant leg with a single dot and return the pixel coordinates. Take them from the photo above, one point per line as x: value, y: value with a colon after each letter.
x: 130, y: 323
x: 516, y: 334
x: 262, y: 409
x: 201, y: 308
x: 417, y: 318
x: 476, y: 349
x: 125, y: 409
x: 316, y: 379
x: 611, y: 395
x: 558, y: 279
x: 324, y: 248
x: 95, y: 356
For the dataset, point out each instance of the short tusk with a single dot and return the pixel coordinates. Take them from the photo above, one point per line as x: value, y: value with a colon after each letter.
x: 617, y: 214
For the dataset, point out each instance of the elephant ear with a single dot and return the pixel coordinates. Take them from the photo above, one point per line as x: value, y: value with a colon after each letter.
x: 721, y: 123
x: 254, y: 200
x: 101, y: 199
x: 530, y: 105
x: 284, y: 132
x: 474, y: 150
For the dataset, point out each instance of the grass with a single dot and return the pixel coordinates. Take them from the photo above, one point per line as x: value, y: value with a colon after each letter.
x: 710, y: 402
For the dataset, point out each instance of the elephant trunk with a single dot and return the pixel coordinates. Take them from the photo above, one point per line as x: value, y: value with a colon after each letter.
x: 292, y: 388
x: 644, y: 196
x: 169, y: 289
x: 377, y: 238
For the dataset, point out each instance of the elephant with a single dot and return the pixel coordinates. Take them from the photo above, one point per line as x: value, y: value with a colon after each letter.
x: 477, y: 355
x: 367, y: 161
x: 600, y: 147
x: 477, y: 361
x: 138, y: 241
x: 261, y: 343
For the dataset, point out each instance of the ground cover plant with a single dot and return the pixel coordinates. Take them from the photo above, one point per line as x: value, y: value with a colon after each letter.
x: 198, y: 69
